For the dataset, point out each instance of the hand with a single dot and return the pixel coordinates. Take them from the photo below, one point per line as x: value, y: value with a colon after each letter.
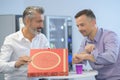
x: 22, y: 61
x: 89, y: 48
x: 77, y: 58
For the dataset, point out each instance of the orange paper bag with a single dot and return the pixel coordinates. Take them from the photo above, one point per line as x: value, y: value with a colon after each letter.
x: 48, y: 62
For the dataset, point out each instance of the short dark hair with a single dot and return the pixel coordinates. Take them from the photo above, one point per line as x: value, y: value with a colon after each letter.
x: 30, y: 10
x: 87, y: 12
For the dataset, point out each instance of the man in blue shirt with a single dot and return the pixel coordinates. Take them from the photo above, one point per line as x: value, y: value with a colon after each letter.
x: 100, y: 47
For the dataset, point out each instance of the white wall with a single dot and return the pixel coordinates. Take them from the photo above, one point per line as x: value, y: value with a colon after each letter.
x: 106, y: 11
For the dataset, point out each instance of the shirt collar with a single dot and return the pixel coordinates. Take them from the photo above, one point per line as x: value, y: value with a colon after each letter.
x: 97, y: 36
x: 21, y: 36
x: 20, y: 33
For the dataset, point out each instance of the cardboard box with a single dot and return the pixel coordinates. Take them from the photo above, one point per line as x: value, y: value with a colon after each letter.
x: 48, y: 62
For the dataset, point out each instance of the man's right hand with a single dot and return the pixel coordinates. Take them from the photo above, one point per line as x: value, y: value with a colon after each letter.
x: 77, y: 58
x: 89, y: 48
x: 22, y: 61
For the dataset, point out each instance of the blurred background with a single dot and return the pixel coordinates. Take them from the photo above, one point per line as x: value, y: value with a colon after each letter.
x: 59, y: 16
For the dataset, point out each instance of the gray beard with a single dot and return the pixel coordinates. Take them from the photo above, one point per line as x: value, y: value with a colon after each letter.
x: 34, y: 31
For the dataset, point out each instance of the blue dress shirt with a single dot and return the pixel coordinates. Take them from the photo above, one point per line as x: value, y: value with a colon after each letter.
x: 106, y: 54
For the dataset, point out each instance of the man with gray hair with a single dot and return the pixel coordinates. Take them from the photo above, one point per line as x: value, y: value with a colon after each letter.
x: 14, y: 55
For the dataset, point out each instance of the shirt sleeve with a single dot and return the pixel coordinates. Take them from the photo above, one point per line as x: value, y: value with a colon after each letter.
x: 111, y: 50
x: 6, y: 66
x: 46, y: 43
x: 81, y: 49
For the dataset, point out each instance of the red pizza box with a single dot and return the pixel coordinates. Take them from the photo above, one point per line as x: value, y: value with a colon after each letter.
x: 48, y: 62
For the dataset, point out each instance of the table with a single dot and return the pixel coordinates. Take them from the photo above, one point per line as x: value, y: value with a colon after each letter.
x: 73, y: 75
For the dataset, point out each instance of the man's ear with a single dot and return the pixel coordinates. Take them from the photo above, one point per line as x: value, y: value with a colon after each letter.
x: 27, y: 21
x: 93, y: 21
